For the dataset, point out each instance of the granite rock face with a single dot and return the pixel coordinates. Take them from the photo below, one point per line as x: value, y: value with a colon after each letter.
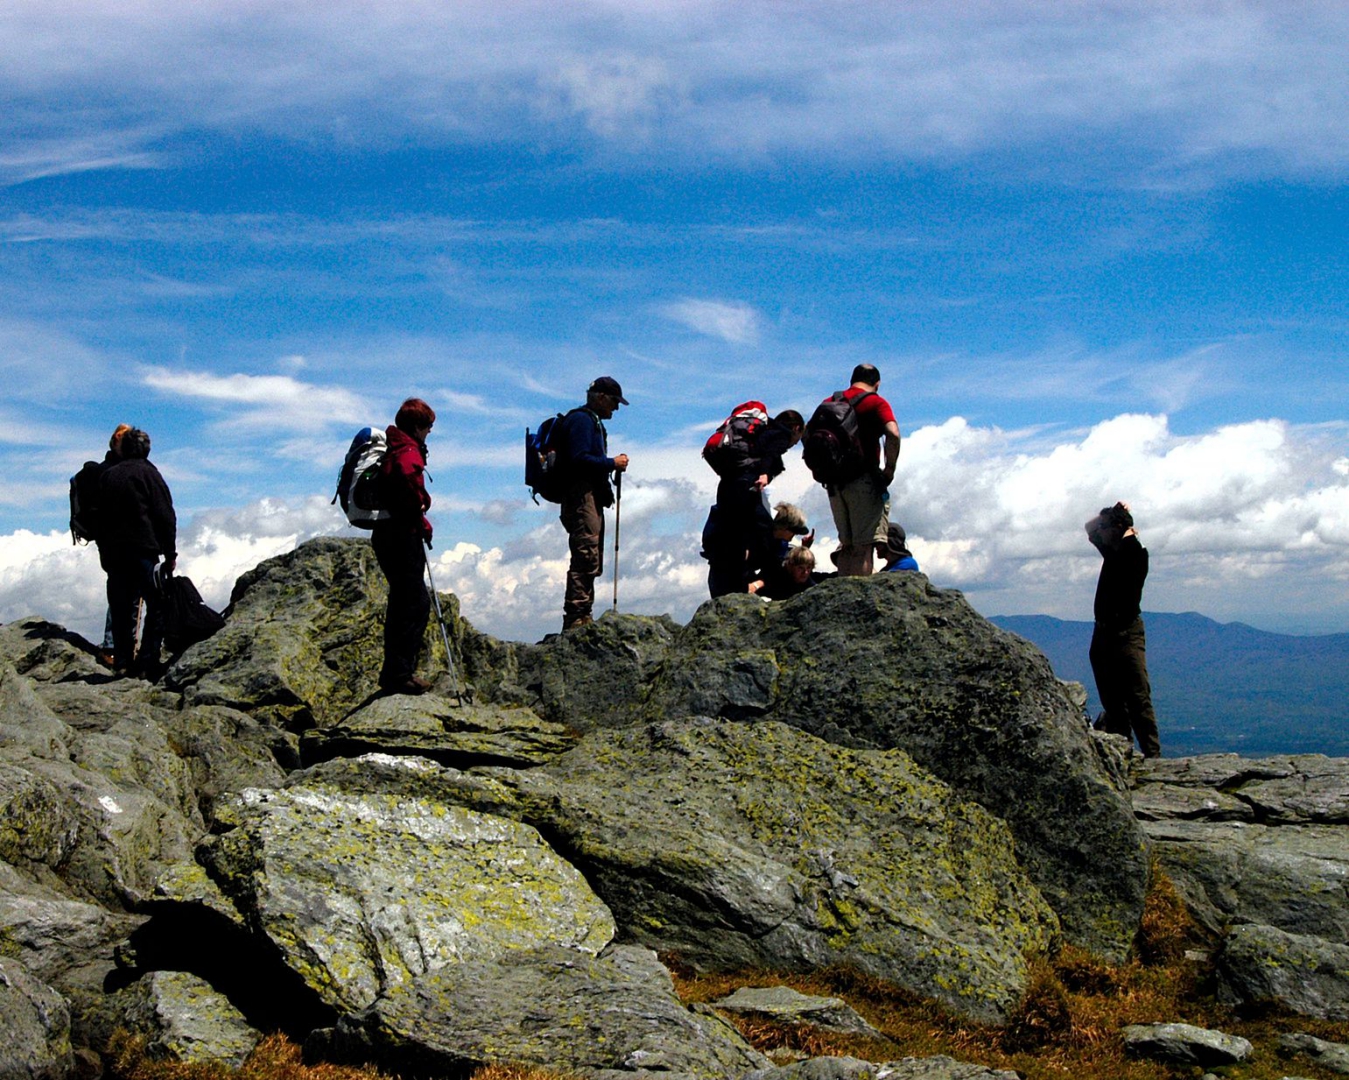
x: 1259, y: 851
x: 303, y: 640
x: 738, y: 845
x: 608, y: 1017
x: 362, y: 892
x: 893, y: 662
x: 35, y: 1022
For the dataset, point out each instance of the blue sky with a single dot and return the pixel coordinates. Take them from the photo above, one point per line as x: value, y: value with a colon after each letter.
x: 1097, y: 251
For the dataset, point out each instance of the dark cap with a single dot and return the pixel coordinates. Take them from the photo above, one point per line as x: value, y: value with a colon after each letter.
x: 606, y: 385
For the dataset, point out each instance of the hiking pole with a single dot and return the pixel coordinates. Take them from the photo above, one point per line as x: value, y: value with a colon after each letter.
x: 618, y: 522
x: 444, y: 633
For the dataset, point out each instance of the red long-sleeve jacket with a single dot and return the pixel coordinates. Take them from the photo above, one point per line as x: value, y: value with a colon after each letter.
x: 404, y: 488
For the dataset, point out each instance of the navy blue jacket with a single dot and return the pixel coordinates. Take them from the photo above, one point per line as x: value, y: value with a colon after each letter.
x: 585, y: 447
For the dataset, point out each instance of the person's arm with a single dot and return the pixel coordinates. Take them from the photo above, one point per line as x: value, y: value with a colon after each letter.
x: 891, y: 452
x: 163, y: 519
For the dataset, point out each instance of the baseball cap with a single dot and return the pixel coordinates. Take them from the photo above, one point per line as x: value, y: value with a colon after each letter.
x: 605, y: 385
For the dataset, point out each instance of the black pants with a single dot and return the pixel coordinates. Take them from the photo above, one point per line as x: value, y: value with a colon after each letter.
x: 403, y: 560
x: 130, y: 581
x: 740, y: 545
x: 1120, y: 663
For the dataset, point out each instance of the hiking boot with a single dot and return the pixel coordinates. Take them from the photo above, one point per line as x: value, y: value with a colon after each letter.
x: 104, y: 659
x: 576, y: 622
x: 410, y: 685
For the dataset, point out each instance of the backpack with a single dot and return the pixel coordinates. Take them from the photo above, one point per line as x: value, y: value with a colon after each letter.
x: 187, y: 619
x: 84, y: 515
x: 358, y: 488
x: 832, y: 448
x: 544, y: 470
x: 731, y: 445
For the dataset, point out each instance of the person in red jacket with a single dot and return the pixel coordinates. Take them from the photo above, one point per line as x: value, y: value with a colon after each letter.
x: 398, y: 541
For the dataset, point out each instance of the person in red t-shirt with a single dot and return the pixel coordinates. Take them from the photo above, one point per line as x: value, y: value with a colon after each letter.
x: 861, y: 506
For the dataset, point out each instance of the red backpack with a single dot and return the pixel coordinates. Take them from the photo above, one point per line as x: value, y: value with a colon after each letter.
x: 732, y: 444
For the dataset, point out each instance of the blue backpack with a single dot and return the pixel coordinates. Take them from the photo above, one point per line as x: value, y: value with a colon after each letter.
x: 544, y: 467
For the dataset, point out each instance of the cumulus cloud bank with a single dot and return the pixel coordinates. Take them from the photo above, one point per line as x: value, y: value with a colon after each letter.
x: 1243, y: 519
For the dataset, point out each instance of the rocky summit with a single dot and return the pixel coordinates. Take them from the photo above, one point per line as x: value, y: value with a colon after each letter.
x: 869, y: 776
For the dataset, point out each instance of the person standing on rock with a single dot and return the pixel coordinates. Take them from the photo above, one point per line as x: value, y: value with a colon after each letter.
x: 137, y: 525
x: 398, y: 541
x: 584, y: 453
x: 742, y: 544
x: 1118, y: 645
x: 844, y: 453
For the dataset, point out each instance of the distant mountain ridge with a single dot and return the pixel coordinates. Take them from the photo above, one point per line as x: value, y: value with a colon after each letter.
x: 1221, y: 687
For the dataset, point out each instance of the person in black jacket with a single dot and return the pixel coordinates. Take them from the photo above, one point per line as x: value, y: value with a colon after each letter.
x: 739, y: 543
x: 1118, y: 645
x: 137, y: 526
x: 587, y: 466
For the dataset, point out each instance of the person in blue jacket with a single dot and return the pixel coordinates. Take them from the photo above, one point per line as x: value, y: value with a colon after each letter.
x: 584, y: 453
x: 895, y: 551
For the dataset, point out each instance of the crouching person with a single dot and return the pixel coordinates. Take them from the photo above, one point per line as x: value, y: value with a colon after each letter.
x: 137, y: 526
x: 398, y: 541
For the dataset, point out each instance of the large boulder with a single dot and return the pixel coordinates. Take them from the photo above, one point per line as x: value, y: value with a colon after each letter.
x: 736, y: 845
x: 36, y: 1027
x: 608, y: 1017
x: 303, y: 638
x: 103, y: 806
x: 891, y: 661
x: 361, y: 893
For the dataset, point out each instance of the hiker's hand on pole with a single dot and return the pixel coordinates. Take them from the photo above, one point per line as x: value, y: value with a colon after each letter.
x: 620, y: 463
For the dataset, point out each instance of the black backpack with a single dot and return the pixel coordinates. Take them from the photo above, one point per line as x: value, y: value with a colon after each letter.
x: 187, y: 619
x: 544, y: 465
x: 84, y: 515
x: 832, y: 448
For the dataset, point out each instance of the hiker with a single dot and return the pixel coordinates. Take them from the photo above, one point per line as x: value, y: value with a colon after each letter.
x: 895, y: 551
x: 398, y: 539
x: 795, y: 574
x: 1118, y: 645
x: 583, y: 452
x: 789, y: 522
x: 854, y: 476
x: 85, y: 523
x: 742, y: 540
x: 137, y: 525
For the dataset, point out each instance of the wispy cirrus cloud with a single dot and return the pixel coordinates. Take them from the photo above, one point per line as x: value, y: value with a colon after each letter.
x: 1235, y: 85
x: 734, y: 323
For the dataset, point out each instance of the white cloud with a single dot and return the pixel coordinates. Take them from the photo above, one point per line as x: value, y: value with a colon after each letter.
x: 277, y: 402
x: 737, y: 324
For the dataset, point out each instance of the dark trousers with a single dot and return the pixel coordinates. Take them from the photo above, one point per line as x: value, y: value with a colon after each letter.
x: 131, y: 581
x: 403, y: 560
x: 1120, y: 664
x: 583, y: 519
x: 741, y: 545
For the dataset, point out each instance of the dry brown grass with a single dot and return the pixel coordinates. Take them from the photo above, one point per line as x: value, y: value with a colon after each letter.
x: 1067, y: 1025
x: 276, y: 1058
